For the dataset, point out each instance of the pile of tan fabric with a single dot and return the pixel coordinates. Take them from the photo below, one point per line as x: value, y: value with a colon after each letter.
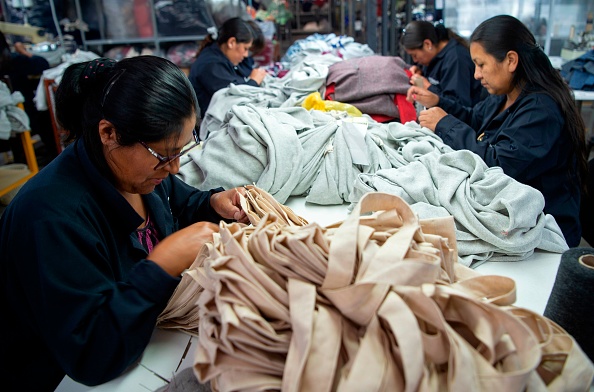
x: 375, y: 303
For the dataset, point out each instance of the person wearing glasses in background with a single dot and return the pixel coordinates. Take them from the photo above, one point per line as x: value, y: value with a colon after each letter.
x: 446, y: 68
x: 93, y: 246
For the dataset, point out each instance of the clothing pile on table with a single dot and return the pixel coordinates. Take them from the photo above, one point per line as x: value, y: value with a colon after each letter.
x: 331, y: 65
x: 579, y: 73
x: 330, y: 159
x: 264, y: 138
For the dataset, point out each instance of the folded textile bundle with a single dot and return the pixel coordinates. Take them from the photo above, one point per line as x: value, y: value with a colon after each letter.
x: 374, y: 303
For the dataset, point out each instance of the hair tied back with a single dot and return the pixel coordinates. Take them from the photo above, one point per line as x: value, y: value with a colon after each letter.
x: 97, y: 67
x: 213, y: 31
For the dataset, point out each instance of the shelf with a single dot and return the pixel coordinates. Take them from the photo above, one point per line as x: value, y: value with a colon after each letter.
x: 119, y: 41
x: 154, y: 40
x: 300, y: 18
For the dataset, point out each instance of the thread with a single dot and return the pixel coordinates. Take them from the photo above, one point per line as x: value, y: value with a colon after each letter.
x: 571, y: 303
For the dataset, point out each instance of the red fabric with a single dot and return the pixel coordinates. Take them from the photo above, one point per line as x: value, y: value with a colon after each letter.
x: 406, y: 109
x: 142, y: 17
x: 381, y: 118
x: 329, y: 91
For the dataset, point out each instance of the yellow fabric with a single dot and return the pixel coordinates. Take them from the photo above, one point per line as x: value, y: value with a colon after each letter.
x: 315, y: 101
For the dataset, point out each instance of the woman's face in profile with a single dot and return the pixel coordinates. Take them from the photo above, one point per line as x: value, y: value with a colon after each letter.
x: 424, y: 54
x: 237, y: 51
x: 495, y: 76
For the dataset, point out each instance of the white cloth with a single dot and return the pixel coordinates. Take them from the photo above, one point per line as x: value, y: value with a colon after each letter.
x: 12, y: 118
x: 56, y: 74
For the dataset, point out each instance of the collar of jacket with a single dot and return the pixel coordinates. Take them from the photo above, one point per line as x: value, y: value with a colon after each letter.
x: 104, y: 189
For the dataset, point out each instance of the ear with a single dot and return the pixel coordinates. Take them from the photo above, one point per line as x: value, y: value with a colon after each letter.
x: 231, y: 42
x: 107, y: 133
x: 427, y: 44
x: 511, y: 60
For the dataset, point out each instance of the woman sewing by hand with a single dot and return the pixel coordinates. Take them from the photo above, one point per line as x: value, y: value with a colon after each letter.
x: 217, y: 61
x: 444, y: 64
x: 529, y: 125
x: 93, y: 246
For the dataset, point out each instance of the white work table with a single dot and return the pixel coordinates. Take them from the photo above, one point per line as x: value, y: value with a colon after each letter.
x: 170, y: 351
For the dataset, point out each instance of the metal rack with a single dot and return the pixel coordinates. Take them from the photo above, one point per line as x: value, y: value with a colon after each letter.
x: 156, y: 40
x: 301, y: 17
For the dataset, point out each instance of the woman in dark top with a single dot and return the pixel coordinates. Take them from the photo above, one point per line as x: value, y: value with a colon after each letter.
x: 258, y: 44
x: 529, y: 125
x: 93, y: 246
x: 217, y: 61
x: 446, y: 67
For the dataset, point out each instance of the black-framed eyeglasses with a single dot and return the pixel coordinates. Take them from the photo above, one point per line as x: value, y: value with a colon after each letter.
x: 164, y: 161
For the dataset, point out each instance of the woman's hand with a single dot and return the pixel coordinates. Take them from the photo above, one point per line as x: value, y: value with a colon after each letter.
x: 415, y: 70
x: 227, y: 204
x: 423, y: 96
x: 177, y: 252
x: 430, y: 117
x: 258, y: 75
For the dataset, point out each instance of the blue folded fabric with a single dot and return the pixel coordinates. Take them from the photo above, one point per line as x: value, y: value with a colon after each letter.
x: 579, y: 73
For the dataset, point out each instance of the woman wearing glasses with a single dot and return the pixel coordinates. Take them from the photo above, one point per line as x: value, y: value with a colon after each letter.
x: 446, y: 67
x: 92, y: 247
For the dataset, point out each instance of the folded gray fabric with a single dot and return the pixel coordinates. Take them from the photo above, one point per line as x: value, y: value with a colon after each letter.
x: 497, y: 218
x: 12, y: 118
x: 304, y: 78
x: 369, y: 76
x: 226, y: 98
x: 255, y: 146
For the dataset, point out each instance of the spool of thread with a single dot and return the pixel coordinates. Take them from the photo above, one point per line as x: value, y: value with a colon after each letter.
x: 571, y: 304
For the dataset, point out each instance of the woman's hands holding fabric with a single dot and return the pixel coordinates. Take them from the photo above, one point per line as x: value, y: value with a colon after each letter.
x: 430, y: 117
x: 177, y: 252
x: 415, y: 70
x: 423, y: 96
x: 258, y: 75
x: 227, y: 204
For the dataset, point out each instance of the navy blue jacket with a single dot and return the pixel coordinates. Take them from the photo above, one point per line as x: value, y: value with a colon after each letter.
x: 78, y: 296
x: 527, y: 141
x: 451, y: 73
x: 213, y: 71
x: 246, y: 66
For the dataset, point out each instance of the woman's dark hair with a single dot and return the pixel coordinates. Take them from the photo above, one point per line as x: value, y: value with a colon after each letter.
x: 258, y: 41
x: 234, y: 27
x: 146, y: 98
x: 534, y: 73
x: 418, y: 31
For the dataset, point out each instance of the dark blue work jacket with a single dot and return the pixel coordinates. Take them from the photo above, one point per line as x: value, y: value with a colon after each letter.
x: 451, y: 73
x: 77, y: 294
x: 213, y: 71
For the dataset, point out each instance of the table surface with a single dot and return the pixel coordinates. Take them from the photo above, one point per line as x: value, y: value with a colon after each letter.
x: 581, y: 95
x: 171, y: 351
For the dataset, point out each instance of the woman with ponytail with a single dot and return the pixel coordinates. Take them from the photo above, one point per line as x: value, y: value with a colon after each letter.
x: 218, y: 58
x: 93, y: 246
x: 529, y: 125
x: 446, y: 67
